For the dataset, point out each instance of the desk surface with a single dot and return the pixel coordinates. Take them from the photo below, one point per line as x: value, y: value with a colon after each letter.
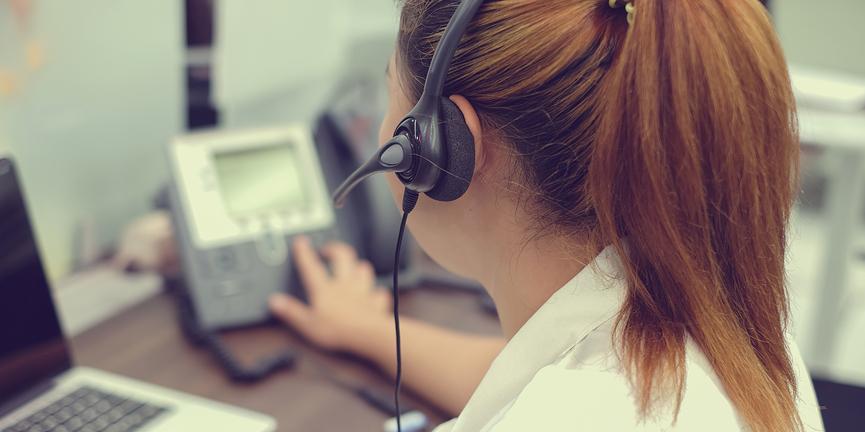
x: 145, y: 343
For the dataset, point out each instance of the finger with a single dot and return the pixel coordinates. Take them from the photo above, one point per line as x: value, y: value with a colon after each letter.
x: 383, y: 299
x: 364, y: 273
x: 292, y: 312
x: 343, y: 259
x: 312, y: 271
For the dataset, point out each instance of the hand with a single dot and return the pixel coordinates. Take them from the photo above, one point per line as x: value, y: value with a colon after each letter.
x: 340, y: 300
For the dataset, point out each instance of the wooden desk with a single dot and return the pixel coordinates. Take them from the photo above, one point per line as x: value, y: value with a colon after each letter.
x: 145, y: 343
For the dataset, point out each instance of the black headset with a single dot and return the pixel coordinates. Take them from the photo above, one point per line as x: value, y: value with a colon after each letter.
x: 432, y: 152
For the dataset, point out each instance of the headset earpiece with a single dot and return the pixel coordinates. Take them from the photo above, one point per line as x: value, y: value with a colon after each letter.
x: 459, y: 147
x: 437, y: 147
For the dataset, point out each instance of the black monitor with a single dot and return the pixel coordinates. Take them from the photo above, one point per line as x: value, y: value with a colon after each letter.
x: 32, y: 346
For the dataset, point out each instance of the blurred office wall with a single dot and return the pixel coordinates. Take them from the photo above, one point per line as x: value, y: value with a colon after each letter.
x: 4, y: 139
x: 828, y: 34
x: 89, y: 128
x: 9, y: 60
x: 279, y: 61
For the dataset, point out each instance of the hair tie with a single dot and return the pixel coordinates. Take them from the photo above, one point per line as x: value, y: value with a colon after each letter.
x: 629, y: 8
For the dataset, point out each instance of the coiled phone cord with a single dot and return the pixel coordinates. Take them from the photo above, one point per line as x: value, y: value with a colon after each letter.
x: 409, y: 201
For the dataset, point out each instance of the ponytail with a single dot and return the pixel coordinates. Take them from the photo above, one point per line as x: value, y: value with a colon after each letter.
x: 692, y: 180
x: 672, y: 138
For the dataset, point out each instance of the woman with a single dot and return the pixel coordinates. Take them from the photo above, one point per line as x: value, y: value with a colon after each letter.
x: 635, y: 176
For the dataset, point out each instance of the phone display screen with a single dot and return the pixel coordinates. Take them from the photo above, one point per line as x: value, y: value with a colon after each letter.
x: 260, y: 181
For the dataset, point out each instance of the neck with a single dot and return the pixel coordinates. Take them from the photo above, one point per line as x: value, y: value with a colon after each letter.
x: 523, y: 274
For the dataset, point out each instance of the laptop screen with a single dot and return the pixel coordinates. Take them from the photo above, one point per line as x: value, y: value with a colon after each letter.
x: 32, y: 346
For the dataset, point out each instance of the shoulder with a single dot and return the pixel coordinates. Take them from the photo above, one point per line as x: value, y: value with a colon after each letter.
x: 587, y: 390
x: 568, y: 399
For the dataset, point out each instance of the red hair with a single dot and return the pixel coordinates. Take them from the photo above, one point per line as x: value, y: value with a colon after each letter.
x: 674, y: 140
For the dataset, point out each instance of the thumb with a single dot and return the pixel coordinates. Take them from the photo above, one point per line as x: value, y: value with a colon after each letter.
x: 291, y: 311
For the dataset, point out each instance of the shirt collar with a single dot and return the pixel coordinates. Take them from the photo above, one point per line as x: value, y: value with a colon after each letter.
x: 591, y: 298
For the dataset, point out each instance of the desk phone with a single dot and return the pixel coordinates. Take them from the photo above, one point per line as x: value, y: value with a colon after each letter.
x: 239, y: 198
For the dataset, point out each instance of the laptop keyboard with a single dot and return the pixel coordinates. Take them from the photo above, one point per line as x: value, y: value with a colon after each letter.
x: 89, y: 410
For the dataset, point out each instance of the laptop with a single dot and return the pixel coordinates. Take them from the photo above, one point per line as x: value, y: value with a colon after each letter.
x: 41, y: 390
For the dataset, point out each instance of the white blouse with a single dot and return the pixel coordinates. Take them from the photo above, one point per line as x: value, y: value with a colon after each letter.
x: 560, y: 373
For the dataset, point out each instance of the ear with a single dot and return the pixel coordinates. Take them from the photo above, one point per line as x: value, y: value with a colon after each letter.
x: 474, y: 124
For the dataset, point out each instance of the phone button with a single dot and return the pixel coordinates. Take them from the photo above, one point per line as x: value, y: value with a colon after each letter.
x: 272, y: 249
x: 227, y: 261
x: 229, y: 288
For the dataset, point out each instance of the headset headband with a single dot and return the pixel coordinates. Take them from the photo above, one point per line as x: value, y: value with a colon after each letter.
x: 444, y: 53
